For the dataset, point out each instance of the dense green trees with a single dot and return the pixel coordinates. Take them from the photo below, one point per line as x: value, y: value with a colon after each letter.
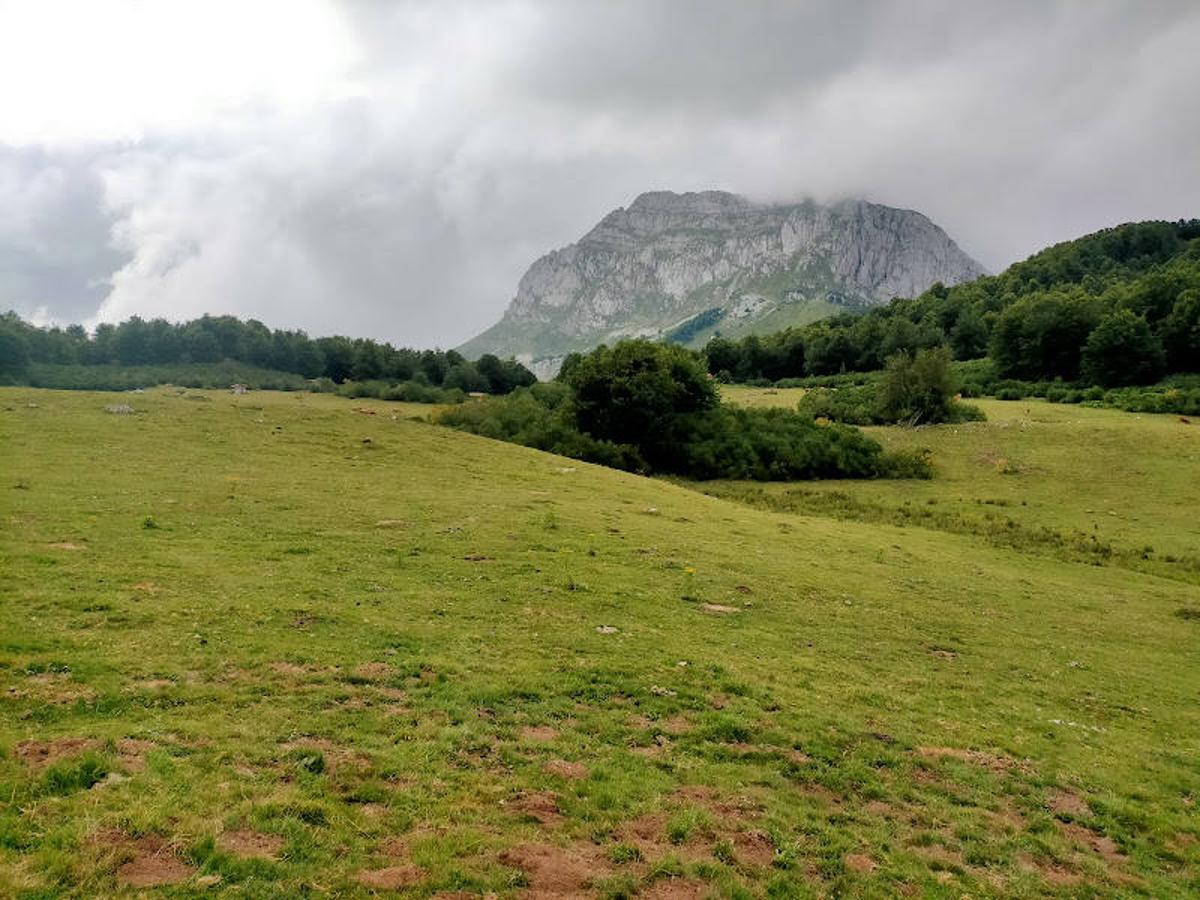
x: 637, y: 393
x: 1033, y: 320
x: 651, y: 407
x: 215, y: 339
x: 1122, y: 351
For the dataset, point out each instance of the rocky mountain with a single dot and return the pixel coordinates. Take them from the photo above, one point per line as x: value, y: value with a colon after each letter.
x: 686, y: 266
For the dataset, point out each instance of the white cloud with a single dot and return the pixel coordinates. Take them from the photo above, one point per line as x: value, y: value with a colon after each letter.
x: 391, y: 169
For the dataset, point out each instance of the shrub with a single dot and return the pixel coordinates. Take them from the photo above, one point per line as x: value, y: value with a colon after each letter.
x: 917, y: 389
x: 691, y: 434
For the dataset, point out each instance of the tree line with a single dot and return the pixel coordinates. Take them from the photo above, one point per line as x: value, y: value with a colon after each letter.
x: 216, y: 339
x: 1118, y: 307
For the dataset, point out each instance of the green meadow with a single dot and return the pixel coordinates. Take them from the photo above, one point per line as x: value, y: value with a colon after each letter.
x: 281, y: 645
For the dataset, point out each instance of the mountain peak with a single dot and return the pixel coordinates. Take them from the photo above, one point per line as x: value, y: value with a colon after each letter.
x: 685, y: 266
x: 690, y: 201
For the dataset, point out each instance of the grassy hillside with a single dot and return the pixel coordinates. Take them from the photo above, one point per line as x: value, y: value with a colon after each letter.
x: 1084, y: 482
x: 274, y: 645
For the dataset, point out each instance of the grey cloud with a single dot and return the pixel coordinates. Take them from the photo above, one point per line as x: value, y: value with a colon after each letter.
x: 484, y: 134
x: 54, y: 249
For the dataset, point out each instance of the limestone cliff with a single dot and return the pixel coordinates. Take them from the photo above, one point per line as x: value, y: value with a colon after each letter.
x: 685, y: 266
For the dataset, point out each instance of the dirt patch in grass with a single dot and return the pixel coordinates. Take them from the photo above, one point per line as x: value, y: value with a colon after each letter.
x: 58, y: 689
x: 391, y: 878
x: 859, y: 862
x: 149, y: 861
x: 754, y: 848
x: 1068, y: 804
x: 132, y: 752
x: 152, y: 871
x: 66, y: 545
x: 571, y: 771
x: 249, y: 843
x: 981, y: 758
x: 146, y: 587
x: 374, y: 670
x: 557, y: 871
x: 1049, y: 871
x: 335, y: 755
x: 1102, y: 846
x: 538, y: 733
x: 394, y: 848
x: 677, y: 725
x: 719, y: 608
x: 294, y: 670
x: 675, y: 889
x: 542, y: 806
x: 43, y: 753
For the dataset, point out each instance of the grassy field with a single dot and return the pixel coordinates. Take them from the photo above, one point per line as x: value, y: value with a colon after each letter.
x: 761, y: 397
x: 1087, y: 482
x: 276, y: 645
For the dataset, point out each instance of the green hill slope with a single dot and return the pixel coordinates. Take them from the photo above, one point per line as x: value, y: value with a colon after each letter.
x: 282, y: 644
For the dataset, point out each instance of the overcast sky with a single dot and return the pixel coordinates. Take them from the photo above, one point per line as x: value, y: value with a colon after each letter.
x: 389, y: 169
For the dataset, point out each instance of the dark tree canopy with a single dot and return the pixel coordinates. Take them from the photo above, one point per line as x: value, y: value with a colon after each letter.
x: 1033, y: 319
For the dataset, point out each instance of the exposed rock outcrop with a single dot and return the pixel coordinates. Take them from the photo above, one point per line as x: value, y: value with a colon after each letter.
x: 688, y: 265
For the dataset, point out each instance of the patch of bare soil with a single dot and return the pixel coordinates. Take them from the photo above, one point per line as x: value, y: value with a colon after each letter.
x: 719, y: 608
x: 675, y: 889
x: 754, y: 848
x: 395, y: 848
x: 374, y: 670
x: 557, y: 871
x: 1068, y: 804
x: 132, y: 752
x: 335, y: 754
x: 822, y: 793
x: 58, y: 688
x: 152, y: 871
x: 677, y: 725
x: 571, y: 771
x: 859, y: 862
x: 542, y: 806
x: 694, y: 793
x: 251, y: 844
x: 391, y: 878
x: 1049, y: 871
x: 43, y: 753
x: 150, y: 861
x: 1099, y: 844
x: 294, y: 669
x: 538, y: 733
x: 66, y: 545
x: 146, y: 587
x: 980, y: 758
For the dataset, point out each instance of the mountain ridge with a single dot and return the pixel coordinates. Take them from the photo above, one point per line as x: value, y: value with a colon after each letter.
x: 686, y: 265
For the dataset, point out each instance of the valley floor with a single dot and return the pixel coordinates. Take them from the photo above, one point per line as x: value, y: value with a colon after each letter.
x: 290, y: 644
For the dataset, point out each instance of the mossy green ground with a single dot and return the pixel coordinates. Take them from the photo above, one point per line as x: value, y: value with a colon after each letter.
x: 272, y: 645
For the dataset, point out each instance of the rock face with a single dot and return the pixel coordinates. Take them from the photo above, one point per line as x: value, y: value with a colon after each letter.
x: 686, y: 266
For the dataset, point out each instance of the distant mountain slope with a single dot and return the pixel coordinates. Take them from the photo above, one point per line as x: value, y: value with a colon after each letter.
x: 686, y: 265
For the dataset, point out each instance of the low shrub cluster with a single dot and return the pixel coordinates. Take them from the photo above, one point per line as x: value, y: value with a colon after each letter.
x: 916, y: 389
x: 651, y: 408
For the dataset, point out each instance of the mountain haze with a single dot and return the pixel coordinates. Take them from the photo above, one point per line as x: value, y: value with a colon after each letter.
x: 684, y: 266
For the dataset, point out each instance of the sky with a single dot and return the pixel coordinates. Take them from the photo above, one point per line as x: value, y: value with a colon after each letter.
x: 390, y: 169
